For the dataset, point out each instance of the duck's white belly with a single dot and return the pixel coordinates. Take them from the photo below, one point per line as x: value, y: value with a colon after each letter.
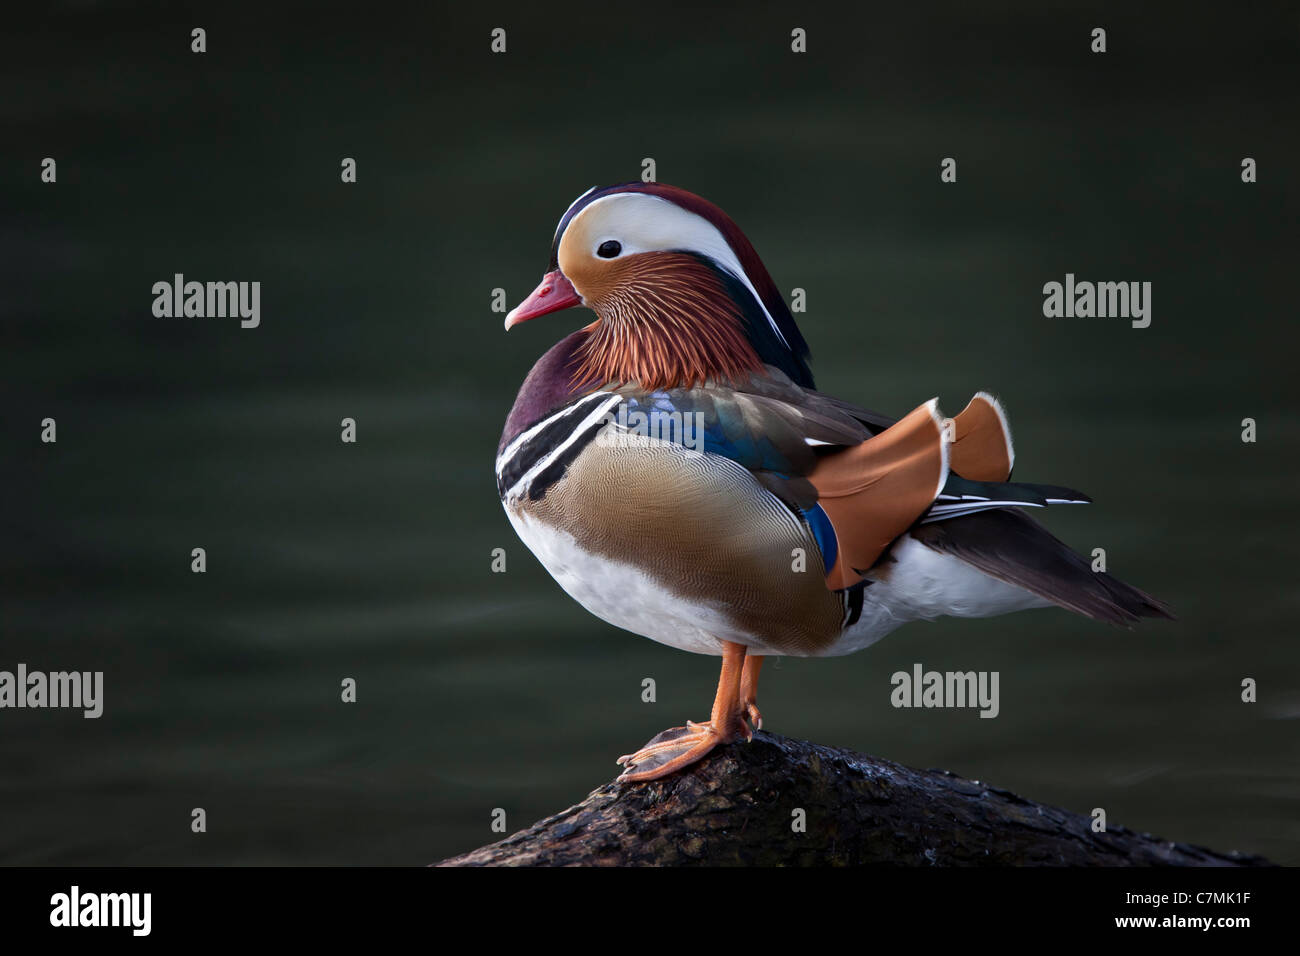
x: 625, y: 596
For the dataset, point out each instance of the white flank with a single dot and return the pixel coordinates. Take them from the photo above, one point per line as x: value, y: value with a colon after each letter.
x: 926, y: 584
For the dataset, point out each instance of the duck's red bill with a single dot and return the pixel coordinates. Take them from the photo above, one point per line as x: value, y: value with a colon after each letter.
x: 552, y: 294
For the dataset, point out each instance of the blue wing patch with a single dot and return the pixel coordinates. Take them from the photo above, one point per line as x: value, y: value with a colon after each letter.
x: 713, y: 431
x: 824, y: 534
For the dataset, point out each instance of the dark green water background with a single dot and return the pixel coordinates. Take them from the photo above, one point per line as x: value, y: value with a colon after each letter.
x: 372, y: 561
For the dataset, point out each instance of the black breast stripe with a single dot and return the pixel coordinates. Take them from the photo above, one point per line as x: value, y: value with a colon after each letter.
x: 536, y: 447
x: 556, y: 469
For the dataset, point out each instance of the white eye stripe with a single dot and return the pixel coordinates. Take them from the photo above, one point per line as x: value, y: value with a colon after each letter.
x: 646, y: 223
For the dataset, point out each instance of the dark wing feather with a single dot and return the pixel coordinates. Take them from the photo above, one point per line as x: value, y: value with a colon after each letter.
x: 874, y: 421
x: 1012, y: 547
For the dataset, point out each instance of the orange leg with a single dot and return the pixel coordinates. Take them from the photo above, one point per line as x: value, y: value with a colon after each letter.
x: 682, y: 746
x: 749, y: 690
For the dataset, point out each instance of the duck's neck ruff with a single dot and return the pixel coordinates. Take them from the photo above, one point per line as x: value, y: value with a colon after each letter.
x: 666, y: 320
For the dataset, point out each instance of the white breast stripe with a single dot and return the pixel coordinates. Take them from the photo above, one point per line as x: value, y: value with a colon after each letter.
x: 509, y: 451
x: 521, y: 486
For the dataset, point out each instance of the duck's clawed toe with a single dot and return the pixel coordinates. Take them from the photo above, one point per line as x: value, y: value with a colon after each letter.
x: 755, y: 716
x: 670, y: 751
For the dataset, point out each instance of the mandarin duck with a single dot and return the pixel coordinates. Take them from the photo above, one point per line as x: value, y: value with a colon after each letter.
x: 763, y: 517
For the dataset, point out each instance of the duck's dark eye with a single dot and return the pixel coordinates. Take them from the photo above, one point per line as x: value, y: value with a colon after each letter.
x: 609, y: 249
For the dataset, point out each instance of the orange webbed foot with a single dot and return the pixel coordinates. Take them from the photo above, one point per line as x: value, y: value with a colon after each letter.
x: 680, y: 747
x: 675, y: 749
